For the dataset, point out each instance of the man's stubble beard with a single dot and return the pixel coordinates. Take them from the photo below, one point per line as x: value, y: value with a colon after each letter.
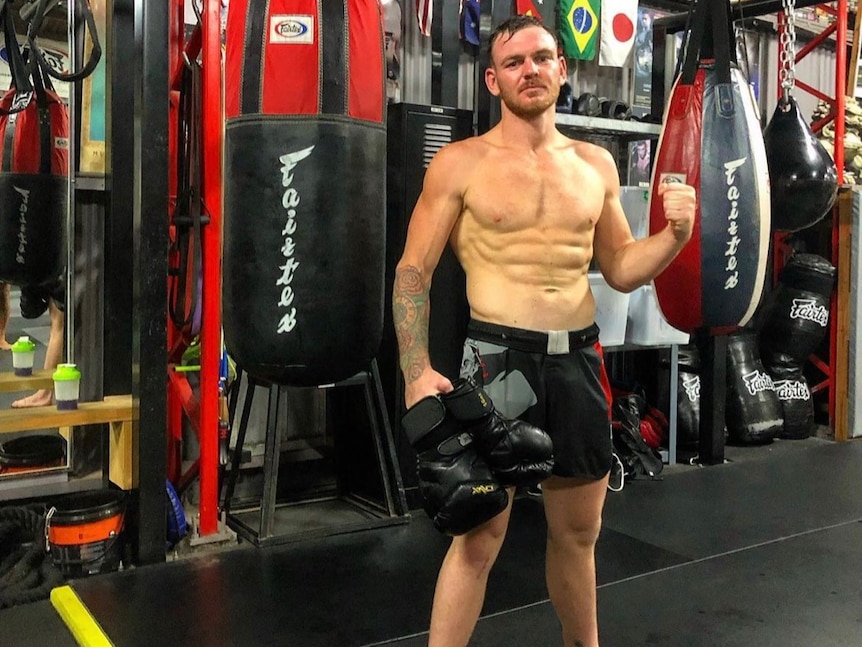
x: 532, y: 108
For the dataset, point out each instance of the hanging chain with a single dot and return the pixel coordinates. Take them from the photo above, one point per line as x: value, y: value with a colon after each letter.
x: 787, y: 40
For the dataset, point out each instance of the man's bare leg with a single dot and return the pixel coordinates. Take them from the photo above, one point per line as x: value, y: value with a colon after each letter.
x: 53, y: 354
x: 460, y: 591
x: 573, y: 508
x: 4, y: 315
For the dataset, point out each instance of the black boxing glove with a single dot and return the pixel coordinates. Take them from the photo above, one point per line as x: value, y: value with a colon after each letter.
x: 458, y: 489
x: 518, y: 452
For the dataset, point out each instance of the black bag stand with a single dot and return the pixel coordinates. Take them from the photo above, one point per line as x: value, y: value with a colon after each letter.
x: 270, y: 522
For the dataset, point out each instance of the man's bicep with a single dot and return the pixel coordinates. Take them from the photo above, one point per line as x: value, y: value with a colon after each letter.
x: 436, y: 211
x: 612, y: 235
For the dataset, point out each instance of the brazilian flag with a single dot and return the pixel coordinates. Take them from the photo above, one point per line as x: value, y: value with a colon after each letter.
x: 579, y: 28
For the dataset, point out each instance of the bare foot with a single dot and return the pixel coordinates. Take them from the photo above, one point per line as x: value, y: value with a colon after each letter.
x: 42, y: 398
x: 5, y: 345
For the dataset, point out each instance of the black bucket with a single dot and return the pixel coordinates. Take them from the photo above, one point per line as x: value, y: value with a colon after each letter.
x: 83, y: 532
x: 32, y: 452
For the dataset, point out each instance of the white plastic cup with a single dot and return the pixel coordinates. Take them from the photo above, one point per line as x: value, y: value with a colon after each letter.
x: 23, y: 353
x: 67, y: 386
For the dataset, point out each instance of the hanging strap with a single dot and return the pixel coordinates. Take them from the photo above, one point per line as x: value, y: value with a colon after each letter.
x: 187, y: 217
x: 17, y: 67
x: 36, y: 11
x: 721, y: 36
x: 716, y: 15
x: 43, y: 106
x: 699, y: 18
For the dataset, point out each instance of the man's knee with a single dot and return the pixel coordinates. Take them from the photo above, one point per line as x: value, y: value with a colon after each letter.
x: 480, y: 547
x: 577, y: 534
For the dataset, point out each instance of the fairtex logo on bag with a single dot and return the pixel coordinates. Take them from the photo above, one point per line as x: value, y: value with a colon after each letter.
x: 290, y: 201
x: 808, y: 310
x: 757, y: 381
x: 291, y: 29
x: 21, y: 252
x: 692, y: 387
x: 792, y: 390
x: 732, y: 227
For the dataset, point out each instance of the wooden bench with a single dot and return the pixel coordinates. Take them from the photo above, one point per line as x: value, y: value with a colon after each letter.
x: 116, y: 410
x: 41, y: 379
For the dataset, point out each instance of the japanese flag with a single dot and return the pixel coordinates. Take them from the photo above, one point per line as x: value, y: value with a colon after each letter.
x: 618, y: 31
x: 424, y: 14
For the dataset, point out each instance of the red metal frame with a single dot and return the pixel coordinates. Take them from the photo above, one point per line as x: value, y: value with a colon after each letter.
x: 202, y: 410
x: 839, y: 10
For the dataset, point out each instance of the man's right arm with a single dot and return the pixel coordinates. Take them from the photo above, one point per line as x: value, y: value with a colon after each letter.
x: 434, y: 216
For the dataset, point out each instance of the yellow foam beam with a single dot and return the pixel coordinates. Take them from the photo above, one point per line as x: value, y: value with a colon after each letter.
x: 78, y: 618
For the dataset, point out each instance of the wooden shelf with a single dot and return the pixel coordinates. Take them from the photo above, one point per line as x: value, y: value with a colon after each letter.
x: 114, y: 408
x: 41, y: 379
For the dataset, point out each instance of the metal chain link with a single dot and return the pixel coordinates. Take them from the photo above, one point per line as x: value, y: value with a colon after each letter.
x: 787, y: 41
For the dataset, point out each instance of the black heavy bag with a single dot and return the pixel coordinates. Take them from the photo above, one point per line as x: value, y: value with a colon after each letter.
x: 711, y: 139
x: 796, y: 313
x: 688, y: 398
x: 754, y: 414
x: 34, y: 163
x: 304, y: 188
x: 803, y: 178
x: 793, y: 393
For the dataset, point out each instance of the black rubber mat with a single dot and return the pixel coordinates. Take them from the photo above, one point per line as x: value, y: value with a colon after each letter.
x: 711, y: 510
x: 347, y: 590
x: 800, y: 591
x: 761, y: 552
x: 32, y: 625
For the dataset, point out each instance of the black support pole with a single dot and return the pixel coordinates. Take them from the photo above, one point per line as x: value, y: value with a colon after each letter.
x: 118, y: 232
x: 487, y: 107
x: 150, y: 209
x: 713, y: 394
x: 445, y: 52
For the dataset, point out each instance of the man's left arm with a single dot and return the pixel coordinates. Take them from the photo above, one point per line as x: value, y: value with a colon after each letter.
x: 627, y: 263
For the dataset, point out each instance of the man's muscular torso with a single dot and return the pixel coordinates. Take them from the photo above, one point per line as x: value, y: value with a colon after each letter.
x: 525, y: 233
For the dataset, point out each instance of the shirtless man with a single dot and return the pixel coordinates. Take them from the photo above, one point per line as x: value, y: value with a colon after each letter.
x: 526, y: 209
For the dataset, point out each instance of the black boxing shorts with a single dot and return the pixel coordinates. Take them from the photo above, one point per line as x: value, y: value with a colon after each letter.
x: 34, y: 298
x: 555, y: 380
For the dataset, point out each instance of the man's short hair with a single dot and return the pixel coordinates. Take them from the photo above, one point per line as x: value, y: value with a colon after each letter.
x: 513, y: 25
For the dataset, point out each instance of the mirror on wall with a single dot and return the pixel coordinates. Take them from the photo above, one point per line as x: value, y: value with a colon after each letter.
x: 35, y: 242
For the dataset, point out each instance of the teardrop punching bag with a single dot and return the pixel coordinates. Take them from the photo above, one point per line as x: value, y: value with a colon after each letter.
x: 304, y: 196
x: 711, y: 139
x: 802, y: 175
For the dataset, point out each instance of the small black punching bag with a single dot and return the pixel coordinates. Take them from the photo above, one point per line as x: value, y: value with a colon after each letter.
x: 304, y: 196
x: 802, y: 175
x: 754, y: 412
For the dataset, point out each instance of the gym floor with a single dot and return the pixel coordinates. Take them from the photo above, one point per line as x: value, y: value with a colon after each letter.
x: 762, y: 550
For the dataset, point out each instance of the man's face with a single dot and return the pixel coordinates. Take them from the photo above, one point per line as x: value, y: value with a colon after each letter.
x: 526, y: 72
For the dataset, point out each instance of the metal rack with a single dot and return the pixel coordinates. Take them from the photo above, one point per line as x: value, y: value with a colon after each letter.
x: 201, y: 411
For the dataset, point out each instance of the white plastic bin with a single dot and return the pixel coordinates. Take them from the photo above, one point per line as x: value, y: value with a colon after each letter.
x: 611, y: 309
x: 635, y: 200
x: 646, y: 326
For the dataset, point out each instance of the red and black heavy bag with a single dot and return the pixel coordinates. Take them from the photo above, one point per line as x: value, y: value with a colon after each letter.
x: 34, y: 163
x: 711, y: 139
x: 304, y: 188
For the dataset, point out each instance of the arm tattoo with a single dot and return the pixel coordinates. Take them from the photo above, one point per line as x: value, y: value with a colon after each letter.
x: 410, y: 311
